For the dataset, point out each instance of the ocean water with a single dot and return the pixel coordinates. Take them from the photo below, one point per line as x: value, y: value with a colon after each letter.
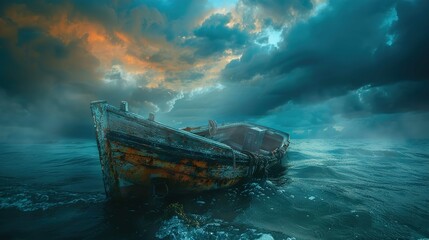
x: 328, y: 189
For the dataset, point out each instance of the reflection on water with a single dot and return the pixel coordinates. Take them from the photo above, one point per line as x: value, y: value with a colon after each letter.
x: 327, y: 189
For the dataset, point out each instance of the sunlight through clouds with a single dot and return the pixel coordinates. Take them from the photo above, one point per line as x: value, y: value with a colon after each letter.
x: 310, y: 65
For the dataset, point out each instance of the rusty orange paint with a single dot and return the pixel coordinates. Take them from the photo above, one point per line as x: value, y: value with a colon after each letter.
x: 186, y: 174
x: 196, y: 163
x: 142, y: 175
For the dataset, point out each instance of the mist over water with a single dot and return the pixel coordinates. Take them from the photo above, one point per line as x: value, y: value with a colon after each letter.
x: 331, y: 189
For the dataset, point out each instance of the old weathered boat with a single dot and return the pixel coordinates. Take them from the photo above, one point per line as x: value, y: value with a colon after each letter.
x: 161, y: 160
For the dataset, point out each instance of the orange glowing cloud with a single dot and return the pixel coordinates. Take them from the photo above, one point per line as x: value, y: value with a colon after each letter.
x: 101, y: 43
x: 109, y: 47
x: 135, y: 52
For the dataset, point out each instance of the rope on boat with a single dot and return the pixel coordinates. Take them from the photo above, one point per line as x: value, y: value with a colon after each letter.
x: 278, y: 152
x: 258, y: 163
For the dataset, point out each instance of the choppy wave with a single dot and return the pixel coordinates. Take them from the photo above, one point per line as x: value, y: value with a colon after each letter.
x: 27, y: 199
x: 328, y: 189
x: 175, y: 228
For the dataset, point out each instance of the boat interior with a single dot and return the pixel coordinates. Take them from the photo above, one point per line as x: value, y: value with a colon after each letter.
x: 243, y: 137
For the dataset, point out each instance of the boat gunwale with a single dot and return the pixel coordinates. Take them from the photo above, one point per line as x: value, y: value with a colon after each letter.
x: 140, y: 119
x: 286, y: 136
x: 137, y: 142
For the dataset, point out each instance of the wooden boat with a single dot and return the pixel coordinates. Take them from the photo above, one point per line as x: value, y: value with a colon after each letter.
x: 162, y: 160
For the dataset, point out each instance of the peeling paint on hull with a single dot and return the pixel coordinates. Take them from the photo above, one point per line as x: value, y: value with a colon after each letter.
x: 161, y: 160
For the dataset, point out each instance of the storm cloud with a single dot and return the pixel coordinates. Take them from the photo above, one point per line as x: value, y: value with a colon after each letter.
x: 343, y: 50
x: 313, y: 67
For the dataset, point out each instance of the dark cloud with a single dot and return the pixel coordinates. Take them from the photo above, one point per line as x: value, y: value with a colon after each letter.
x: 340, y: 50
x: 32, y: 64
x: 214, y: 36
x: 395, y: 98
x: 281, y: 7
x: 406, y: 58
x: 279, y: 12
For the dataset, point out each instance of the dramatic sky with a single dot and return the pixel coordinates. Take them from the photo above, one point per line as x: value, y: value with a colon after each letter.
x: 314, y: 68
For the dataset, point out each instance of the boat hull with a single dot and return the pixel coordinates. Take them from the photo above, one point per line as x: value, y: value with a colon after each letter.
x: 138, y: 164
x: 159, y: 160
